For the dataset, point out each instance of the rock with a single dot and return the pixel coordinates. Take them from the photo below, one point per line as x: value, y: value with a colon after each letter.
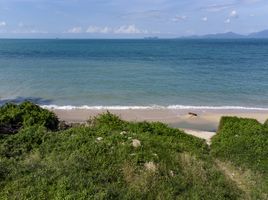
x: 150, y: 166
x: 123, y: 133
x: 136, y: 143
x: 171, y: 173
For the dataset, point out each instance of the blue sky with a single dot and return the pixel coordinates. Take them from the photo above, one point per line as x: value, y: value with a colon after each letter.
x: 130, y: 18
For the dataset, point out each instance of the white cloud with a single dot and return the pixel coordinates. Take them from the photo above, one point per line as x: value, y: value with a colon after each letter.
x: 204, y: 19
x: 96, y: 29
x: 105, y: 30
x: 234, y: 14
x: 29, y: 31
x: 75, y: 30
x: 217, y: 7
x: 227, y: 21
x: 131, y: 29
x: 179, y: 18
x: 3, y: 23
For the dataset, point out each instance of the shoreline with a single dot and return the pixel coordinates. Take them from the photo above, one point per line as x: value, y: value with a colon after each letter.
x: 206, y: 119
x: 158, y: 107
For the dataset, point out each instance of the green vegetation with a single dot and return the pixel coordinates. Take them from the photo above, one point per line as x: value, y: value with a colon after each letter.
x: 109, y: 158
x: 266, y: 123
x: 13, y: 117
x: 243, y: 143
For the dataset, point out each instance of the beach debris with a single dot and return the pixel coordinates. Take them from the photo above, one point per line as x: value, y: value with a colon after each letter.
x: 171, y: 173
x: 136, y: 143
x: 150, y: 166
x: 123, y: 133
x: 99, y: 138
x: 192, y: 114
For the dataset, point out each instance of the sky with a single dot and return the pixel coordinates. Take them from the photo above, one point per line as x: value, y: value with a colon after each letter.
x: 129, y: 18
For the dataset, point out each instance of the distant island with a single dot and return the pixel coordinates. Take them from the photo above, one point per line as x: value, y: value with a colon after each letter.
x: 231, y: 35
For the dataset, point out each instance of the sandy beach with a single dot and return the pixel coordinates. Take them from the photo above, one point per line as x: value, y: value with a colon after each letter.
x: 204, y: 125
x: 206, y: 120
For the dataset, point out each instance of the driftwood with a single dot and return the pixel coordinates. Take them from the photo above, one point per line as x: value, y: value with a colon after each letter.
x: 192, y: 114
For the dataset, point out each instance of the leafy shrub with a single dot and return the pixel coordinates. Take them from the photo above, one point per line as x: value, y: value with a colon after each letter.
x: 266, y: 123
x: 241, y: 145
x: 242, y: 141
x: 107, y: 121
x: 13, y: 117
x: 112, y: 122
x: 29, y: 138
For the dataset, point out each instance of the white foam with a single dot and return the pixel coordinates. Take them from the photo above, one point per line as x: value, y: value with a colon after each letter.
x: 170, y: 107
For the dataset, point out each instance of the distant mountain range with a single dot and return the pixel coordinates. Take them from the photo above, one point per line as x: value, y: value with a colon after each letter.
x: 232, y: 35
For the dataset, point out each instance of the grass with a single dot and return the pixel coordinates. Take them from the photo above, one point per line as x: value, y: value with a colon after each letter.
x: 266, y: 123
x: 98, y: 161
x: 253, y: 185
x: 242, y: 147
x: 242, y: 141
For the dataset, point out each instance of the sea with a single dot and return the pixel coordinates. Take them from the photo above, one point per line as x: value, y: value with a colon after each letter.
x: 135, y: 73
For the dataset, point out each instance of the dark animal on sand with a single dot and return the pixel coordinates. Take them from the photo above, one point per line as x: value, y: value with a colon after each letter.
x: 192, y: 114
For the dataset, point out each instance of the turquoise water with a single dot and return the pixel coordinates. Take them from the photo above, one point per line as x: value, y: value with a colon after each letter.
x: 209, y: 73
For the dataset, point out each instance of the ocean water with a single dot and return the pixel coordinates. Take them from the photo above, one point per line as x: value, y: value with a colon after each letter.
x: 136, y: 73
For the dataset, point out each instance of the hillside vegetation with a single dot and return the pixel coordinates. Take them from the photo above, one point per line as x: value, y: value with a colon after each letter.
x: 13, y: 117
x: 109, y: 158
x: 243, y: 144
x: 242, y: 141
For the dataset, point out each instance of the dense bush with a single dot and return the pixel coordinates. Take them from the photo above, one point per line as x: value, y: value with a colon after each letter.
x: 13, y: 117
x: 241, y: 149
x: 112, y: 122
x: 266, y: 123
x: 242, y: 141
x: 100, y: 161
